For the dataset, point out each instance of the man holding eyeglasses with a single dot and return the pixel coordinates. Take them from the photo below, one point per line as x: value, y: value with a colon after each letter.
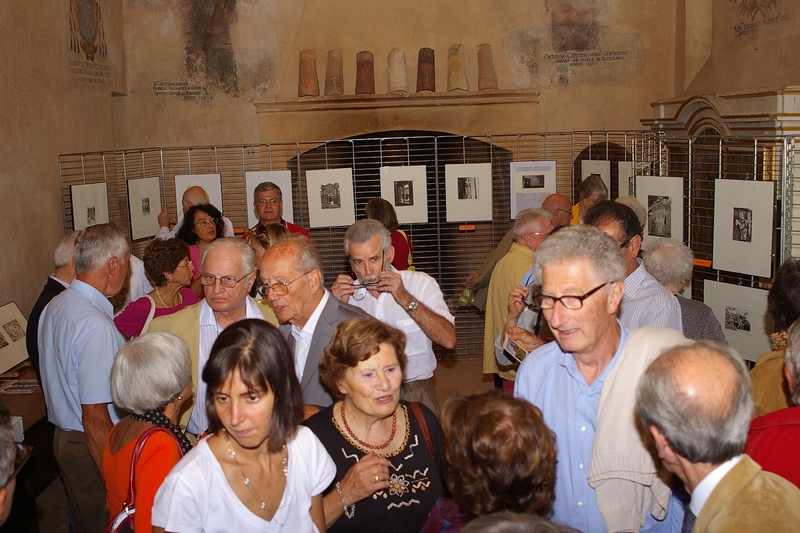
x: 646, y: 302
x: 410, y: 301
x: 531, y: 227
x: 228, y: 271
x: 268, y: 205
x: 584, y: 383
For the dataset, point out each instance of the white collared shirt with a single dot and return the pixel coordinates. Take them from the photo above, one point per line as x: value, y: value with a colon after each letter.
x: 303, y: 337
x: 61, y: 281
x: 703, y: 490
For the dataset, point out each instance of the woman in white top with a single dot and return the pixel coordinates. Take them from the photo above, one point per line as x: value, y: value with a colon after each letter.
x: 257, y: 471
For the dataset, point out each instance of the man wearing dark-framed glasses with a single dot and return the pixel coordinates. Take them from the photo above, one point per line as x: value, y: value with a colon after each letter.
x: 584, y: 383
x: 410, y: 301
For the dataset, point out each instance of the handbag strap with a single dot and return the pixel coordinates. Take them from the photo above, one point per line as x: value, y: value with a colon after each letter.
x: 150, y: 315
x: 131, y: 500
x: 423, y: 426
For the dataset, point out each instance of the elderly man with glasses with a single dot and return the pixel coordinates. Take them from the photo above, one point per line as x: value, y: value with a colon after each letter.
x: 410, y: 301
x: 584, y: 382
x: 291, y: 272
x: 228, y: 271
x: 268, y: 206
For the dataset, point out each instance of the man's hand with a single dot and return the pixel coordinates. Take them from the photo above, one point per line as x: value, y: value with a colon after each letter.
x: 391, y: 282
x: 471, y: 279
x: 516, y: 304
x: 343, y: 288
x: 527, y: 340
x: 163, y: 218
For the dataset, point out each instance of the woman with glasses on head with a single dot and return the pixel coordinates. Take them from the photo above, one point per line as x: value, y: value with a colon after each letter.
x: 202, y: 224
x: 258, y: 470
x: 260, y: 239
x: 169, y: 268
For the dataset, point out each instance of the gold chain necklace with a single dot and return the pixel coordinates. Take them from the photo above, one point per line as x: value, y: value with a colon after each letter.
x: 160, y: 299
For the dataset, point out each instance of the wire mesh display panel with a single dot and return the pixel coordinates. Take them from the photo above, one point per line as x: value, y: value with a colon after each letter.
x: 444, y: 249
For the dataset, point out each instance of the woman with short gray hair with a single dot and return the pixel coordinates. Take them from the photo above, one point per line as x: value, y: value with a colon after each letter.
x: 151, y: 379
x: 671, y: 263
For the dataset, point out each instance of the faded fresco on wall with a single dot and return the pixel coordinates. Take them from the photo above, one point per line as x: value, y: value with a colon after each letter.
x: 747, y: 19
x: 87, y: 43
x: 210, y: 59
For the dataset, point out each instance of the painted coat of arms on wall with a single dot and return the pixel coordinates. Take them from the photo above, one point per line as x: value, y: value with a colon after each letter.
x: 86, y: 29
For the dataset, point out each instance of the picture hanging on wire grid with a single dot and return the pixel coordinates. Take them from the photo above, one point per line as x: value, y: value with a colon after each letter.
x: 531, y: 183
x: 144, y: 205
x: 624, y: 175
x: 330, y: 197
x: 405, y: 187
x: 468, y: 192
x: 662, y: 196
x: 281, y: 178
x: 743, y: 213
x: 89, y: 205
x: 742, y: 312
x: 12, y: 345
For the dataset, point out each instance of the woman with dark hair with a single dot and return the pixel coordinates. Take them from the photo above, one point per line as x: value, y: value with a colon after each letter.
x: 170, y: 270
x: 260, y: 239
x: 382, y: 211
x: 257, y: 471
x: 767, y: 380
x: 386, y: 451
x: 202, y: 224
x: 498, y: 456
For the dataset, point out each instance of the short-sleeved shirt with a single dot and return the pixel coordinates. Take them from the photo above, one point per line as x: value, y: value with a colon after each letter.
x: 77, y: 344
x: 196, y: 495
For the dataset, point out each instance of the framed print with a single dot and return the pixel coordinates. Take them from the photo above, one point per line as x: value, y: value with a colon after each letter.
x: 468, y: 192
x: 625, y: 173
x: 531, y: 183
x: 742, y: 311
x: 144, y: 205
x: 406, y: 189
x: 281, y: 178
x: 89, y: 205
x: 663, y: 198
x: 12, y: 336
x: 743, y: 226
x: 211, y: 183
x: 590, y: 167
x: 330, y: 197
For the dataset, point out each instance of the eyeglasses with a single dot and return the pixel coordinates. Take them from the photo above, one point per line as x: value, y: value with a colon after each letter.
x: 228, y: 282
x: 538, y: 233
x: 624, y: 244
x: 569, y: 213
x: 187, y: 264
x: 265, y: 201
x: 23, y: 454
x: 204, y: 221
x: 569, y: 302
x: 279, y: 288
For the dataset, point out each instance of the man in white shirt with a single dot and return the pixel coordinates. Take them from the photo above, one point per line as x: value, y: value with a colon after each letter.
x: 410, y: 301
x: 192, y: 196
x: 695, y: 402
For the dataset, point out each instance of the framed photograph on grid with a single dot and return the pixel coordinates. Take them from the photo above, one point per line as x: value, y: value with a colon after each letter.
x: 89, y: 205
x: 12, y: 337
x: 590, y: 167
x: 531, y: 183
x: 330, y: 197
x: 468, y: 192
x: 742, y: 311
x: 406, y: 189
x: 743, y: 226
x: 662, y: 197
x: 144, y: 205
x: 281, y: 178
x: 211, y: 183
x: 625, y: 173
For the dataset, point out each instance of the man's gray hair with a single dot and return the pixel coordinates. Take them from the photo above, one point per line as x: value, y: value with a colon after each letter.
x: 528, y: 220
x: 96, y: 245
x: 149, y: 371
x: 364, y: 230
x: 65, y: 249
x: 196, y: 195
x: 306, y: 256
x: 669, y: 261
x: 792, y: 359
x: 8, y: 447
x: 248, y: 255
x: 581, y: 243
x: 265, y: 186
x: 694, y: 430
x: 636, y: 205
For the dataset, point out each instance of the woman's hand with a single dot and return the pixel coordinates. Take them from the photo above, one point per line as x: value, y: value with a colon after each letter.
x: 360, y: 481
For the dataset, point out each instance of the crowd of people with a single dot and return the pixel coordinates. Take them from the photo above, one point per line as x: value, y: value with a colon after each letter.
x: 237, y: 391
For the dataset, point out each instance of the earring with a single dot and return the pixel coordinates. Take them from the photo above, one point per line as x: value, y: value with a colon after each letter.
x: 180, y: 395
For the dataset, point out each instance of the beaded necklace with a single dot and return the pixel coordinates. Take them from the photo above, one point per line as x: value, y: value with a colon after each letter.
x: 366, y: 444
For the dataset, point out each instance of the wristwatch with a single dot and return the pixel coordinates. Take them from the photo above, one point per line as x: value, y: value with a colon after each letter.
x: 412, y: 305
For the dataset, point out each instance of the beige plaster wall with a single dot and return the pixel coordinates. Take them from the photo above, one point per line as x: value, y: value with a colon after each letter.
x: 45, y: 110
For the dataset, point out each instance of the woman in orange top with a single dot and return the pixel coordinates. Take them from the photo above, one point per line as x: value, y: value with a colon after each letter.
x: 150, y: 378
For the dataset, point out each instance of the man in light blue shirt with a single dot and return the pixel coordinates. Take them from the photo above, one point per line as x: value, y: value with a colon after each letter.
x: 582, y: 272
x: 77, y: 342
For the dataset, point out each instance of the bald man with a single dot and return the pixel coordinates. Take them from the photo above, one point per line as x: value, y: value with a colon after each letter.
x: 194, y: 195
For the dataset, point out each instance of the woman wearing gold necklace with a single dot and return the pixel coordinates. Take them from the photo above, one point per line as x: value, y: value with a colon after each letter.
x: 170, y: 270
x: 387, y: 451
x: 257, y: 471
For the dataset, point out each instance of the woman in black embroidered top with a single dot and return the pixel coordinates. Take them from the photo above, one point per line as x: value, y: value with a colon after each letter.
x: 387, y: 452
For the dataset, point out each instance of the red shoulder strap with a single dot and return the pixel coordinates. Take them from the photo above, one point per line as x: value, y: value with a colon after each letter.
x: 131, y: 500
x: 424, y: 426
